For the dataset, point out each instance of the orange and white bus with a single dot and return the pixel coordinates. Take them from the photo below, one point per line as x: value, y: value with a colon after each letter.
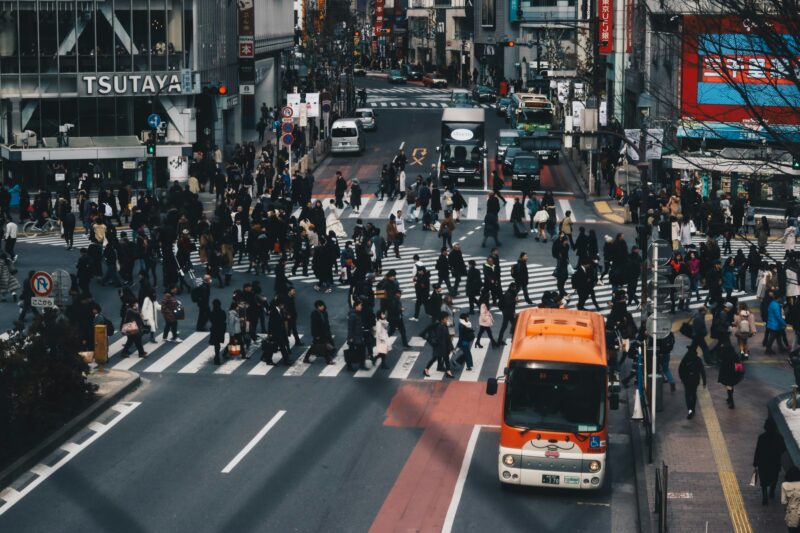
x: 554, y: 429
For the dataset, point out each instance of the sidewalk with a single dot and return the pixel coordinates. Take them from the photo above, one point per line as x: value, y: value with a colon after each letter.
x: 710, y: 457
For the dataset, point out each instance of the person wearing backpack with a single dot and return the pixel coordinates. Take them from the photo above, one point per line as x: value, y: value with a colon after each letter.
x: 744, y: 327
x: 466, y: 334
x: 663, y: 353
x: 691, y: 371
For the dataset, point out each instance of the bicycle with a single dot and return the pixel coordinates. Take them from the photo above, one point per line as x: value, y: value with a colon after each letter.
x: 49, y: 225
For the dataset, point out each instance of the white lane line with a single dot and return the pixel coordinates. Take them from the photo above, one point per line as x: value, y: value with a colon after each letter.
x: 176, y: 353
x: 504, y: 358
x: 205, y: 358
x: 404, y: 365
x: 478, y: 358
x: 377, y: 209
x: 11, y: 496
x: 255, y: 440
x: 450, y: 517
x: 361, y: 211
x: 509, y: 207
x: 116, y: 347
x: 132, y: 360
x: 472, y: 208
x: 331, y: 371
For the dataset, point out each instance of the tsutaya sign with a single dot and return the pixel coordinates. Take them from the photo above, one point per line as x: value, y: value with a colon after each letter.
x: 117, y: 84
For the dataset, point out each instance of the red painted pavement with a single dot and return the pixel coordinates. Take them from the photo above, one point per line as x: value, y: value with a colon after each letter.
x: 448, y: 411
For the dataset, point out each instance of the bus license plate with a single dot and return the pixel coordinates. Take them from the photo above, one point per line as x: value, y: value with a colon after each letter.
x: 550, y: 479
x: 462, y: 180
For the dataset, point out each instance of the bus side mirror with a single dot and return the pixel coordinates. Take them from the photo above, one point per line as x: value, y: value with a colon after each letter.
x: 491, y: 386
x: 613, y: 401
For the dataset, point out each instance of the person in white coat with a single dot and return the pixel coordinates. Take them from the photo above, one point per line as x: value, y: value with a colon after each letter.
x: 333, y: 223
x: 686, y: 233
x: 150, y: 311
x: 381, y: 339
x: 789, y: 239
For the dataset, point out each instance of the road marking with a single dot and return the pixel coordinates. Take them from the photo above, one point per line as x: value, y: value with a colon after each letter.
x: 509, y: 207
x: 602, y: 207
x: 472, y: 207
x: 331, y: 371
x: 397, y: 206
x: 377, y: 209
x: 501, y: 367
x: 566, y: 207
x: 727, y: 476
x: 450, y: 517
x: 404, y: 365
x: 255, y: 440
x: 11, y: 496
x: 205, y: 358
x: 176, y: 353
x: 132, y: 360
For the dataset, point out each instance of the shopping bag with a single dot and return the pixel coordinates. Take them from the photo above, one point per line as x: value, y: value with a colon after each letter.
x: 180, y: 312
x: 687, y: 330
x: 234, y: 350
x: 754, y: 478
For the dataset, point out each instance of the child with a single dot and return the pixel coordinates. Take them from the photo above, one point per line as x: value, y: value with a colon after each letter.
x: 381, y: 338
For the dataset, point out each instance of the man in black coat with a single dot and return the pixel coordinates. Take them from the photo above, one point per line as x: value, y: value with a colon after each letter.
x: 355, y: 337
x: 322, y: 340
x: 474, y: 286
x: 457, y: 266
x: 126, y: 253
x: 520, y: 274
x: 278, y: 332
x: 394, y: 314
x: 581, y: 282
x: 291, y: 314
x: 68, y: 223
x: 201, y: 295
x: 509, y: 309
x: 443, y: 270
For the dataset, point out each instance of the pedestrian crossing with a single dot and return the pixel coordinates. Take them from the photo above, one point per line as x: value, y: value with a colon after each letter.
x: 415, y: 104
x: 410, y: 90
x: 193, y: 356
x: 775, y: 247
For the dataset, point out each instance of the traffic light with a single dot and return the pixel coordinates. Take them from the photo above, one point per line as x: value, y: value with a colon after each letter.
x: 795, y: 164
x: 215, y: 89
x: 356, y: 34
x: 151, y: 147
x: 509, y: 44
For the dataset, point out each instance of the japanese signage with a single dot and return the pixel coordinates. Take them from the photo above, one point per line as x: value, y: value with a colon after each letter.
x: 377, y: 25
x: 246, y: 48
x: 629, y: 26
x: 605, y: 12
x: 117, y: 84
x: 729, y: 70
x: 247, y: 17
x: 299, y: 101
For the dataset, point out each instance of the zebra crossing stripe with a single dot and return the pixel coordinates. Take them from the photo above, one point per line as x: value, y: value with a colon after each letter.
x: 331, y: 371
x: 478, y: 358
x: 377, y: 209
x: 501, y: 367
x: 176, y: 353
x: 203, y: 359
x: 472, y: 208
x: 373, y: 367
x: 405, y: 363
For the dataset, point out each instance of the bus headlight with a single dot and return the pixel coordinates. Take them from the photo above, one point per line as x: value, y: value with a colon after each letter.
x: 594, y: 466
x: 508, y: 460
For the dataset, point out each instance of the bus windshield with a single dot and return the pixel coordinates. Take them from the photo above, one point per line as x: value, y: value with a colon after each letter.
x: 460, y: 98
x: 571, y: 400
x: 542, y: 117
x: 455, y: 153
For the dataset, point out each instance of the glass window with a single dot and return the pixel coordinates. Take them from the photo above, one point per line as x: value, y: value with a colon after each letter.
x: 344, y: 132
x: 87, y: 46
x: 124, y: 43
x: 28, y: 43
x: 50, y: 117
x: 66, y: 35
x: 140, y: 32
x: 158, y: 36
x: 9, y: 58
x: 106, y: 116
x: 48, y: 39
x: 68, y: 111
x: 105, y: 43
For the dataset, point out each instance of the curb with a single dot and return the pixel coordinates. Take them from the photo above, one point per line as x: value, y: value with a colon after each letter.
x: 9, y: 474
x: 792, y: 447
x: 640, y: 478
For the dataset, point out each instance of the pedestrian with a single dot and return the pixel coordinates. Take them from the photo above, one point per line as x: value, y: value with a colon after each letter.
x: 509, y: 310
x: 322, y: 340
x: 394, y: 314
x: 790, y: 497
x: 68, y: 228
x: 439, y: 339
x: 699, y: 332
x: 25, y: 298
x: 775, y: 325
x: 474, y: 286
x: 355, y: 337
x: 691, y: 371
x: 497, y: 186
x: 8, y: 278
x: 731, y: 370
x: 457, y: 266
x: 132, y: 328
x: 277, y: 333
x: 201, y: 295
x: 290, y: 307
x: 110, y: 256
x: 664, y: 352
x: 171, y: 309
x: 446, y: 229
x: 422, y: 288
x: 466, y: 334
x: 485, y: 323
x: 381, y: 338
x: 519, y: 272
x: 150, y: 309
x: 540, y: 222
x: 443, y: 270
x: 216, y: 336
x: 744, y: 327
x: 491, y: 228
x: 767, y: 459
x: 10, y: 236
x: 566, y: 227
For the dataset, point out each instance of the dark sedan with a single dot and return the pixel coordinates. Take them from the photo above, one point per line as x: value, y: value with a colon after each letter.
x: 396, y: 76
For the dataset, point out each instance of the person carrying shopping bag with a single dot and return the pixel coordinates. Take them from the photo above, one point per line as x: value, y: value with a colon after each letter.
x: 132, y: 327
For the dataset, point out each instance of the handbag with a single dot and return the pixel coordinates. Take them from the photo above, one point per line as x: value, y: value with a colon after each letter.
x: 180, y: 312
x: 234, y: 350
x: 754, y: 478
x: 687, y: 330
x: 738, y: 368
x: 130, y: 328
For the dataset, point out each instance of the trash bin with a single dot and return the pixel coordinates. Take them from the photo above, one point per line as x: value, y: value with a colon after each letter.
x: 659, y: 390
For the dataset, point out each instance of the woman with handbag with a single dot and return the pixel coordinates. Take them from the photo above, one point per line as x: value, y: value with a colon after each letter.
x: 234, y: 327
x: 731, y: 369
x: 132, y: 327
x: 150, y: 310
x: 485, y: 322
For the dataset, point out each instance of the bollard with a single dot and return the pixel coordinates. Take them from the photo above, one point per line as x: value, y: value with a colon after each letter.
x: 794, y: 397
x: 100, y: 346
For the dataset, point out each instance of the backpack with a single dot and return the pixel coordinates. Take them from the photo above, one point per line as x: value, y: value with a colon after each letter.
x: 430, y: 336
x: 744, y: 329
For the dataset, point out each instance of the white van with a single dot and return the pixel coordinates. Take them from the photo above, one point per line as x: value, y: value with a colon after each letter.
x: 347, y: 136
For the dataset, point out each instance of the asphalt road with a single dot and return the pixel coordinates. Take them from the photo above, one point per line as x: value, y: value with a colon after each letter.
x: 378, y: 451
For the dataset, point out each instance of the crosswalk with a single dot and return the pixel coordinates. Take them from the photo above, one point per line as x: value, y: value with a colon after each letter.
x: 409, y: 90
x: 415, y: 104
x: 193, y: 356
x: 412, y: 97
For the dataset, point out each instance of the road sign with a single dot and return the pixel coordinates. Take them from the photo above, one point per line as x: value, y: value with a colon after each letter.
x: 154, y: 121
x: 42, y: 303
x: 287, y: 127
x: 664, y: 251
x: 683, y: 285
x: 247, y: 89
x: 287, y: 112
x: 41, y: 284
x: 661, y: 327
x: 62, y: 282
x: 326, y: 106
x: 287, y: 139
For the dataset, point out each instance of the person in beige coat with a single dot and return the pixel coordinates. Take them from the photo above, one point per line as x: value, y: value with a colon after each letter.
x: 485, y: 322
x: 744, y: 327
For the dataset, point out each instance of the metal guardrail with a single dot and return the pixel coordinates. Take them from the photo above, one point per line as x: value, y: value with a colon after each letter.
x: 660, y: 507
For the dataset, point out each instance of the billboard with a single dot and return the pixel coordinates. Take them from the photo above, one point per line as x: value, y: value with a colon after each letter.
x: 488, y: 13
x: 727, y: 66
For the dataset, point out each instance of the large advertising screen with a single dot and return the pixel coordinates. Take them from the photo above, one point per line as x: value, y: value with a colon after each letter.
x: 733, y: 71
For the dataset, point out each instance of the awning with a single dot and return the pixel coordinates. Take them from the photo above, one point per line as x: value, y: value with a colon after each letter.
x: 715, y: 163
x: 92, y: 149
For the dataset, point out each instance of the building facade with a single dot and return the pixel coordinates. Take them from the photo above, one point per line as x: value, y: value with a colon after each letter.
x: 79, y: 79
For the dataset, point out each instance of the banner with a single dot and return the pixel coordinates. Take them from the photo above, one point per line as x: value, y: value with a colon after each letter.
x: 605, y: 12
x: 489, y: 13
x: 629, y: 26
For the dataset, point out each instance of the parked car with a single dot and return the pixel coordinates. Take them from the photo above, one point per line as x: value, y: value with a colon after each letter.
x: 483, y: 93
x: 396, y: 76
x: 359, y: 71
x: 367, y: 117
x: 412, y: 72
x: 434, y: 79
x: 501, y: 106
